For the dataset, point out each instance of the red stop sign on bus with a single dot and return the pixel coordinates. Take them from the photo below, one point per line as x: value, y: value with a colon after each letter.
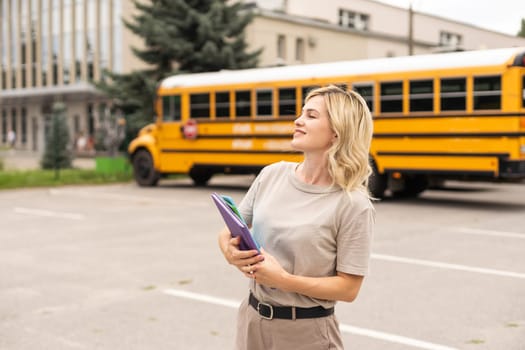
x: 190, y: 129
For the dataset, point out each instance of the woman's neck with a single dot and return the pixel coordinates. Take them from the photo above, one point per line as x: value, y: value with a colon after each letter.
x: 314, y: 171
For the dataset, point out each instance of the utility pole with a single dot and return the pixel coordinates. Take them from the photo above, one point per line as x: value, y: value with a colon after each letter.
x: 410, y: 29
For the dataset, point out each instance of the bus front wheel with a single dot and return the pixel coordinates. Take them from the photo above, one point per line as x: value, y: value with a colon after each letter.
x: 143, y: 169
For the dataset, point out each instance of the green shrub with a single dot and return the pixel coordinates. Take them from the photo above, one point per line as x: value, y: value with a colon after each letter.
x: 46, y: 178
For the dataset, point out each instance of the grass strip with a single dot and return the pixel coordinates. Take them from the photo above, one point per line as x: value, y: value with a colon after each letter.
x: 46, y: 178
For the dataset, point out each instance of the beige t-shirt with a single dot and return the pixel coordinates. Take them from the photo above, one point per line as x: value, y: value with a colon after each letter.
x: 311, y: 230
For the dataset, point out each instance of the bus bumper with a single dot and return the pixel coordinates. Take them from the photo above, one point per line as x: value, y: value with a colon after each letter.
x: 512, y: 169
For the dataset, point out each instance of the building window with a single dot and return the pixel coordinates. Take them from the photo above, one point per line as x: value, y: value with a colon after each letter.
x: 56, y: 46
x: 14, y: 119
x: 222, y: 105
x: 264, y: 102
x: 76, y: 124
x: 487, y: 92
x: 23, y: 125
x: 299, y: 49
x: 3, y: 39
x: 90, y: 119
x: 79, y: 39
x: 200, y: 106
x: 422, y: 96
x: 4, y: 126
x: 448, y: 39
x: 453, y: 94
x: 281, y: 47
x: 392, y: 97
x: 354, y: 20
x: 367, y: 92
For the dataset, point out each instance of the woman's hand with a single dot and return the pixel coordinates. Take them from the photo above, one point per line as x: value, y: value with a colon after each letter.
x: 269, y: 272
x: 244, y: 260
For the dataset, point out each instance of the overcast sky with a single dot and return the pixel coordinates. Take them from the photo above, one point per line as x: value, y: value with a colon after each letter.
x: 501, y: 15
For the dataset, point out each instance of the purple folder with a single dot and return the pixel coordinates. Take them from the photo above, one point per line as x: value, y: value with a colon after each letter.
x: 236, y: 226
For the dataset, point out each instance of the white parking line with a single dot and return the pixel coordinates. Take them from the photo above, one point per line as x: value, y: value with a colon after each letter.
x: 125, y: 197
x: 48, y: 213
x: 103, y: 195
x: 443, y: 265
x: 475, y: 231
x: 393, y: 338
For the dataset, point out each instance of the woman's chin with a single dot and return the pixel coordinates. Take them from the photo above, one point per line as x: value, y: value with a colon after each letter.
x: 296, y: 145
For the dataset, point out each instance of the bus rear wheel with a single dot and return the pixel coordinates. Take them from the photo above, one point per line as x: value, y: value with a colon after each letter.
x: 143, y: 169
x: 413, y: 186
x: 377, y: 182
x: 200, y: 176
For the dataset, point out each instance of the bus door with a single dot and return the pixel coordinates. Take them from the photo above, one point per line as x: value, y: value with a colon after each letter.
x: 170, y: 133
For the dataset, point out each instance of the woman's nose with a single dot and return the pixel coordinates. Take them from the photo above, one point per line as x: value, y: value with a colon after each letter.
x: 298, y: 120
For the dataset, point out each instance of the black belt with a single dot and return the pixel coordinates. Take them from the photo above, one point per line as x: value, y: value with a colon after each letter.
x: 288, y: 312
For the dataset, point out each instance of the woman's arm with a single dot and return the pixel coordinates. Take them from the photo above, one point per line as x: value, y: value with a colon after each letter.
x: 343, y: 286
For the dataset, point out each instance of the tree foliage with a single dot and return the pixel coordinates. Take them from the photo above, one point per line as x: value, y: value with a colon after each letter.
x: 521, y: 33
x: 179, y: 37
x: 57, y: 154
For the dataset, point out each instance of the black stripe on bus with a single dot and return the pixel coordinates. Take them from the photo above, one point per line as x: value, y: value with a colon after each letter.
x: 440, y: 154
x: 450, y: 134
x: 246, y: 136
x: 174, y: 150
x: 448, y: 173
x: 430, y: 115
x: 452, y: 115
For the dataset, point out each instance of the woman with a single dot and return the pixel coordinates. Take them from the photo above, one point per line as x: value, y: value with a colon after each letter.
x: 314, y: 221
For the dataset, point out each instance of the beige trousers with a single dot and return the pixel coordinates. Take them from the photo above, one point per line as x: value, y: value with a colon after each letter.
x: 257, y: 333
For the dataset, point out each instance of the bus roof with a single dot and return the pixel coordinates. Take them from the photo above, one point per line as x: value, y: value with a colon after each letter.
x: 478, y: 58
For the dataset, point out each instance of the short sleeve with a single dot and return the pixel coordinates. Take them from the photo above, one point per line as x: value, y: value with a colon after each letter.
x: 247, y: 203
x: 354, y: 241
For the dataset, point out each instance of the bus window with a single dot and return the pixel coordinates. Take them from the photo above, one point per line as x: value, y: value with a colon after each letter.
x: 287, y: 101
x: 199, y: 105
x: 453, y: 94
x: 523, y: 92
x: 307, y: 89
x: 421, y: 96
x: 171, y: 108
x: 242, y: 103
x: 264, y: 102
x: 222, y: 104
x: 367, y: 92
x: 392, y: 97
x: 487, y: 92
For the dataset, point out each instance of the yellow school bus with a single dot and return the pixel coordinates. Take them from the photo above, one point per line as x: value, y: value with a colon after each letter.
x: 436, y: 117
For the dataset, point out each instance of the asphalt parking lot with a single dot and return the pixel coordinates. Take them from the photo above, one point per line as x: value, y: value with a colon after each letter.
x: 122, y: 267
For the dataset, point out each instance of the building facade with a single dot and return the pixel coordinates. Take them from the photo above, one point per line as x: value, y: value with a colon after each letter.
x: 310, y: 31
x: 52, y: 50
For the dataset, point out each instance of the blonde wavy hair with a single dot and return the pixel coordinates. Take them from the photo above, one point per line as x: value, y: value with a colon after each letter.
x: 351, y: 120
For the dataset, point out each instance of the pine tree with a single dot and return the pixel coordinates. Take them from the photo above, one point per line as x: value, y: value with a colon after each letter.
x: 179, y: 37
x: 57, y: 155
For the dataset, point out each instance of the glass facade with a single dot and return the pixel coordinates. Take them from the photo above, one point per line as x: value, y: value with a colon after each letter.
x: 48, y: 45
x: 58, y: 42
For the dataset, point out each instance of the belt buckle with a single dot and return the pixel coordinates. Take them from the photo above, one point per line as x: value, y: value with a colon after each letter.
x: 266, y: 306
